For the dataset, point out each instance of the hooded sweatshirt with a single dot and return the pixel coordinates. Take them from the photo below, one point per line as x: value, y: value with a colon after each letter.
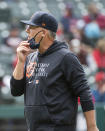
x: 51, y: 85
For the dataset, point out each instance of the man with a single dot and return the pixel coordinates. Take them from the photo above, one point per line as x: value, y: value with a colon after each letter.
x: 95, y: 15
x: 99, y: 91
x: 51, y: 80
x: 68, y: 22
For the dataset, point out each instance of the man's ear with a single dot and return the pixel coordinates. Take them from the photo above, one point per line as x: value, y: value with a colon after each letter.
x: 43, y: 33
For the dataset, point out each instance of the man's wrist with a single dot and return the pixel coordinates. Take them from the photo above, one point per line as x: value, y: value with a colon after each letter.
x: 91, y: 125
x: 92, y: 128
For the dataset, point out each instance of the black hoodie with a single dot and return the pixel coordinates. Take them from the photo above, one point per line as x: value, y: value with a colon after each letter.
x: 51, y: 85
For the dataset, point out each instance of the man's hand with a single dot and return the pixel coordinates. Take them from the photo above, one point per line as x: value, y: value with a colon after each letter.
x: 23, y: 50
x: 93, y: 129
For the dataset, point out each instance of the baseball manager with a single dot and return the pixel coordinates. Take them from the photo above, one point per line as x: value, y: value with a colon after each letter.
x: 51, y: 79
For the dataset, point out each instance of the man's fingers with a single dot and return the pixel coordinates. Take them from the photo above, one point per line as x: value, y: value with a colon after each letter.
x: 23, y: 48
x: 24, y: 43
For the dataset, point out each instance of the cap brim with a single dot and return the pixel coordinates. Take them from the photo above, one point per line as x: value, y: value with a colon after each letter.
x: 27, y: 22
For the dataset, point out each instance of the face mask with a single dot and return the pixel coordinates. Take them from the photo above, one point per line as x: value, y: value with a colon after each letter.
x: 33, y: 44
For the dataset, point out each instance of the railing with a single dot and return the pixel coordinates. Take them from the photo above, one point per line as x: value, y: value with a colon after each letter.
x: 16, y: 112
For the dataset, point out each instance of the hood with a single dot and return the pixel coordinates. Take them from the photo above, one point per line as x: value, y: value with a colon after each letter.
x: 54, y: 47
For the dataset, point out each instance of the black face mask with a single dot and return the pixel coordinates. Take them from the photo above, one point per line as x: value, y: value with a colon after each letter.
x: 33, y: 44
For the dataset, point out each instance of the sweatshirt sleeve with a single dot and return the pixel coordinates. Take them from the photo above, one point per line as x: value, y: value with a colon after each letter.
x: 75, y: 76
x: 18, y: 86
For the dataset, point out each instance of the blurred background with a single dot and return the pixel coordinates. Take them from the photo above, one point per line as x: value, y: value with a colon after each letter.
x: 81, y: 25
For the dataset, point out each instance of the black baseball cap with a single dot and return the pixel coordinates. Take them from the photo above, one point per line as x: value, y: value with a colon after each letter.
x: 44, y: 20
